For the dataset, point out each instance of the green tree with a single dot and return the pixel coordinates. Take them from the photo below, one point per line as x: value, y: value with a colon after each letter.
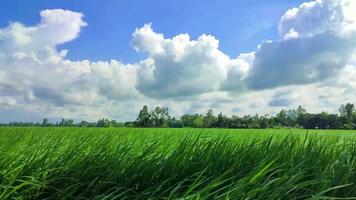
x: 222, y: 121
x: 209, y: 119
x: 66, y: 122
x: 84, y: 124
x: 187, y: 120
x: 45, y: 122
x: 301, y: 115
x: 144, y: 118
x: 347, y: 112
x: 103, y: 123
x: 198, y: 121
x: 160, y: 117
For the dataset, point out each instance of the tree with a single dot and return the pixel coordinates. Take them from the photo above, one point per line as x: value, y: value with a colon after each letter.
x: 66, y: 123
x: 144, y: 118
x: 187, y: 120
x: 222, y: 121
x: 209, y: 119
x: 265, y: 121
x: 114, y: 123
x: 281, y: 118
x: 84, y: 124
x: 103, y: 123
x: 288, y: 118
x: 45, y: 122
x: 198, y: 121
x: 160, y: 117
x: 300, y: 115
x: 175, y: 123
x: 347, y: 112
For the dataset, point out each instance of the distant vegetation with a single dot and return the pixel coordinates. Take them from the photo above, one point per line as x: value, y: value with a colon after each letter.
x: 159, y: 117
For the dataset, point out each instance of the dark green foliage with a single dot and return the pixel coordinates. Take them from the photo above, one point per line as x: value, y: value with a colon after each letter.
x: 144, y: 118
x: 73, y: 163
x: 209, y: 119
x: 160, y: 118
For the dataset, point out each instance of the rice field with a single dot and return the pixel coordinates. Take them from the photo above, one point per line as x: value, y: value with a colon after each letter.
x: 123, y: 163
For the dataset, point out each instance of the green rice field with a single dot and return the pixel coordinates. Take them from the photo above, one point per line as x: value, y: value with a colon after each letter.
x: 124, y: 163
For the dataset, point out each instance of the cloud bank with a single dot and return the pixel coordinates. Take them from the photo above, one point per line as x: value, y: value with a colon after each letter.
x: 318, y: 39
x: 313, y: 63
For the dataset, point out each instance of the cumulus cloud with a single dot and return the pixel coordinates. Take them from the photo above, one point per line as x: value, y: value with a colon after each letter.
x: 180, y: 66
x: 300, y: 61
x: 313, y: 63
x: 33, y: 72
x: 56, y: 27
x: 317, y: 17
x: 318, y: 40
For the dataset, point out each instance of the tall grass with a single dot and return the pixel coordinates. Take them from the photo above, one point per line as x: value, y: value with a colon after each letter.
x: 74, y: 163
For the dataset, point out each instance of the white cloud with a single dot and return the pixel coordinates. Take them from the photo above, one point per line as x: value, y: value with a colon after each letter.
x: 318, y: 40
x: 180, y: 66
x: 56, y: 27
x: 60, y: 25
x: 35, y: 76
x: 317, y: 17
x: 312, y: 64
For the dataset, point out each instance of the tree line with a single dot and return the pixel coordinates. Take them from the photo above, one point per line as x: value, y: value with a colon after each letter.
x: 159, y: 118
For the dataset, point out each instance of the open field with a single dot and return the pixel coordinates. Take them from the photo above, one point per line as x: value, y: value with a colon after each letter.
x: 122, y: 163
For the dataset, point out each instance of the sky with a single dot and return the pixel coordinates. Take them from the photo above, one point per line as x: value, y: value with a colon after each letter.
x: 87, y: 60
x: 111, y: 22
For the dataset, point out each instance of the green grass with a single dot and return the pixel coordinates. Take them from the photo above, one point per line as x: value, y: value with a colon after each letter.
x: 90, y: 163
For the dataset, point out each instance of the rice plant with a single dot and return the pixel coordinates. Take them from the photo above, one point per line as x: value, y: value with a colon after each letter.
x: 80, y: 163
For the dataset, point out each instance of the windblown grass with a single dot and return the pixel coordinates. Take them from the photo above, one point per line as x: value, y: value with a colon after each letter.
x: 79, y: 163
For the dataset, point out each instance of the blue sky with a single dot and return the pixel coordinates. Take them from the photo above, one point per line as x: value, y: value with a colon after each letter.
x: 238, y: 24
x: 86, y: 59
